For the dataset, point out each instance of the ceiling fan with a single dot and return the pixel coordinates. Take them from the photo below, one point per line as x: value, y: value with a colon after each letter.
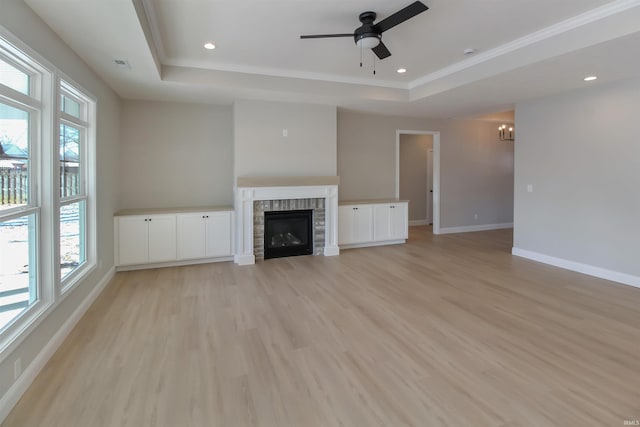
x: 369, y: 35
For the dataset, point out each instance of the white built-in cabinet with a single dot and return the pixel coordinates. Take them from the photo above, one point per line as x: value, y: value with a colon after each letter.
x: 172, y: 238
x: 147, y: 239
x: 204, y: 235
x: 355, y: 224
x: 372, y: 223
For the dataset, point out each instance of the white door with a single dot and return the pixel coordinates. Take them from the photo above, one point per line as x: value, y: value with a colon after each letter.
x: 219, y: 227
x: 363, y: 224
x: 191, y: 236
x: 381, y: 227
x: 133, y: 240
x: 162, y: 238
x: 398, y: 221
x: 430, y: 186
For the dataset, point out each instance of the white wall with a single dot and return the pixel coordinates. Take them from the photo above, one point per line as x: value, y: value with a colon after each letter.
x: 260, y: 149
x: 175, y: 155
x: 17, y: 18
x: 413, y: 173
x: 580, y: 152
x: 476, y: 168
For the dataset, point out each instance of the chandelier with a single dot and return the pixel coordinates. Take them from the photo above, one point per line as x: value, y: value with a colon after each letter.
x: 504, y: 134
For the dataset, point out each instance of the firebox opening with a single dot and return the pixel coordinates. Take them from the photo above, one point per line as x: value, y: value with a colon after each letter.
x: 288, y: 233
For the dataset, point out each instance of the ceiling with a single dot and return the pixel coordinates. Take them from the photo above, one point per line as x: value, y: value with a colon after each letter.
x: 524, y: 49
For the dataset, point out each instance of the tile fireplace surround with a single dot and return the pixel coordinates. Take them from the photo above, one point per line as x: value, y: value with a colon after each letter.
x: 277, y: 189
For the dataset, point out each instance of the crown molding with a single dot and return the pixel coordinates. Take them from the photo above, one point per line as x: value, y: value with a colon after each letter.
x: 577, y: 21
x: 290, y: 74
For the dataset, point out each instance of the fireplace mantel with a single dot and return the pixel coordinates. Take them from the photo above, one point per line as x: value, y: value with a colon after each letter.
x: 250, y: 189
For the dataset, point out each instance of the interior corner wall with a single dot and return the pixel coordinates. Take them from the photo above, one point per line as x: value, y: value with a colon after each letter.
x: 20, y: 20
x: 261, y: 147
x: 175, y: 155
x: 579, y: 151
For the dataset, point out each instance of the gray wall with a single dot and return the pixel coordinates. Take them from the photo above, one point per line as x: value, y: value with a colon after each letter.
x: 25, y: 25
x: 476, y: 168
x: 367, y: 152
x: 261, y: 149
x: 413, y: 173
x: 580, y: 152
x: 476, y: 174
x: 176, y: 155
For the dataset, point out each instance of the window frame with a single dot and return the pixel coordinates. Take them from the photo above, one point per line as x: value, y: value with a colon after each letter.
x: 46, y: 86
x: 41, y: 86
x: 87, y: 147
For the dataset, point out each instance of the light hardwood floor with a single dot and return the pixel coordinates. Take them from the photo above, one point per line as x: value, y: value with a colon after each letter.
x: 443, y: 331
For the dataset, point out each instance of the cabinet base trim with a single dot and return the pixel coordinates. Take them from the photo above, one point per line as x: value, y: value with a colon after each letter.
x: 331, y: 250
x: 243, y: 259
x: 368, y: 244
x: 172, y: 263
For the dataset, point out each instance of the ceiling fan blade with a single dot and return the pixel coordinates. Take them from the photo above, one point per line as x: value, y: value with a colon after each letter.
x: 325, y: 36
x: 400, y: 16
x: 381, y: 51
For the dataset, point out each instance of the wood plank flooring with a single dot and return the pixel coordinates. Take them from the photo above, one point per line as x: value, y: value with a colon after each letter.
x: 443, y: 331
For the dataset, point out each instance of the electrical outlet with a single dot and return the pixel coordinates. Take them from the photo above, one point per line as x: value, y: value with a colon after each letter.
x: 17, y: 368
x: 285, y: 132
x: 475, y: 217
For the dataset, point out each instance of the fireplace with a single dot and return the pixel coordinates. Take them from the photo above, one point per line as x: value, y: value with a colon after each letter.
x: 255, y: 196
x: 288, y: 233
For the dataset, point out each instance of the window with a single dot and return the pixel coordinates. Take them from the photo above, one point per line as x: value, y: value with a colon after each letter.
x: 74, y: 167
x: 47, y: 188
x: 20, y: 113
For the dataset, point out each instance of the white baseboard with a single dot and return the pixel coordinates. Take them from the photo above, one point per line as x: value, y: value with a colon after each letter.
x: 602, y: 273
x: 419, y: 222
x: 13, y: 395
x: 369, y: 244
x: 174, y: 263
x: 469, y: 228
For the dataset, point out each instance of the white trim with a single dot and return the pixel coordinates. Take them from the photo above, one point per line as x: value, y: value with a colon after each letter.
x: 245, y: 196
x: 369, y: 244
x: 436, y: 171
x: 419, y: 222
x: 567, y: 25
x: 470, y: 228
x: 173, y: 263
x: 13, y: 395
x: 591, y: 270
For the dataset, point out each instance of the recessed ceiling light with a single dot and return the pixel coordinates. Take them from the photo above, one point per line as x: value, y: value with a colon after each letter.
x: 402, y: 70
x: 209, y: 46
x: 590, y: 78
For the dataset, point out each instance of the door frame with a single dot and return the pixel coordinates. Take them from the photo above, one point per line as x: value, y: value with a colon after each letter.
x: 436, y: 171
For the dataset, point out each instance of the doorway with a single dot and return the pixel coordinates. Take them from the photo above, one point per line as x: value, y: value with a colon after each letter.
x: 418, y: 175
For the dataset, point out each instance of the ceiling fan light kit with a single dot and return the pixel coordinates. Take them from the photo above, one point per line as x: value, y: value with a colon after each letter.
x: 369, y: 35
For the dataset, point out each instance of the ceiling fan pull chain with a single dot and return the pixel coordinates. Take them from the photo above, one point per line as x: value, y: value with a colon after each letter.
x: 361, y: 56
x: 374, y: 65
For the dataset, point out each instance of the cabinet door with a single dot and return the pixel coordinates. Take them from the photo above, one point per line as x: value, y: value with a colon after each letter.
x: 162, y: 238
x: 363, y: 224
x: 345, y: 225
x: 191, y: 235
x: 133, y: 240
x: 399, y: 221
x: 381, y: 229
x: 218, y: 234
